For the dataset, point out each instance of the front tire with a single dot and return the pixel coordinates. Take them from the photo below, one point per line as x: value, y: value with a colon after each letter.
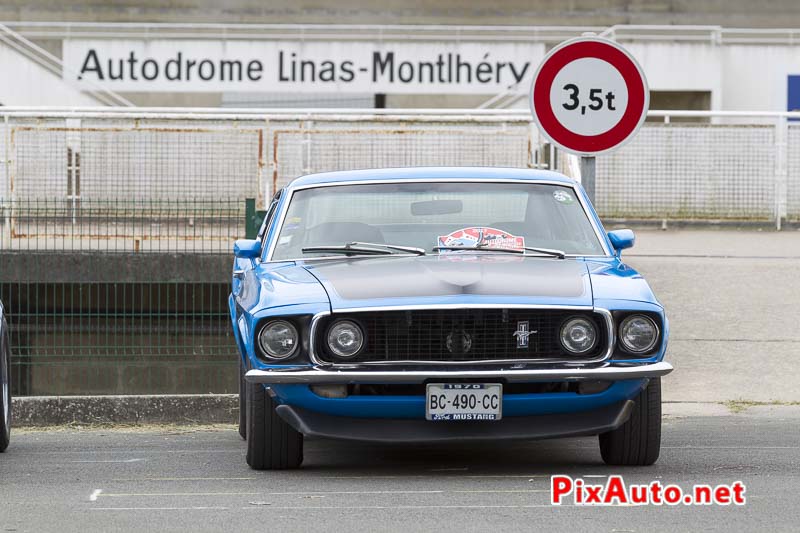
x: 242, y: 402
x: 637, y: 442
x: 5, y: 392
x: 272, y: 444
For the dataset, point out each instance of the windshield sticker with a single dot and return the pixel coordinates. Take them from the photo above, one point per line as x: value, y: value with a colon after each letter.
x: 482, y: 237
x: 292, y: 224
x: 563, y: 197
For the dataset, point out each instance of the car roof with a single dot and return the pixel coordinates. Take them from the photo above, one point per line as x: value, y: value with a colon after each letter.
x: 417, y: 173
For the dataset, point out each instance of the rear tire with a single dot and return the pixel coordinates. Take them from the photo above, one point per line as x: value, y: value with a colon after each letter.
x: 637, y: 442
x: 5, y: 391
x: 272, y: 444
x: 242, y: 402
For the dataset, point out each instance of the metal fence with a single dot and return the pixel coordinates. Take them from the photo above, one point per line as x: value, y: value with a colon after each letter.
x: 116, y: 226
x: 146, y: 225
x: 727, y: 166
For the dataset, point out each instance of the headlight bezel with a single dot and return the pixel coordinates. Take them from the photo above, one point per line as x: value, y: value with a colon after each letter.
x: 265, y: 353
x: 339, y: 322
x: 579, y: 318
x: 627, y: 350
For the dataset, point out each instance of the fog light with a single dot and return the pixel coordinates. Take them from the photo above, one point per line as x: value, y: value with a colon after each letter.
x: 330, y: 391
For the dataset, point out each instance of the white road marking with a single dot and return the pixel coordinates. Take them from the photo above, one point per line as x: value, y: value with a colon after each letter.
x: 473, y: 476
x: 318, y: 493
x: 161, y: 508
x: 400, y: 507
x: 93, y: 496
x: 110, y: 461
x: 487, y: 491
x: 185, y: 479
x: 731, y: 447
x: 155, y: 494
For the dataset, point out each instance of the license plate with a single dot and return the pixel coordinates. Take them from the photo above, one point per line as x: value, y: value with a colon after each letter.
x: 464, y: 401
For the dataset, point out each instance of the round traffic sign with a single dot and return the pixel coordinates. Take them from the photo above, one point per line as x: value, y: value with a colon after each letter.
x: 589, y: 96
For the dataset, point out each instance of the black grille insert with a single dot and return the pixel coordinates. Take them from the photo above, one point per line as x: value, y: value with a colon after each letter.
x: 460, y: 335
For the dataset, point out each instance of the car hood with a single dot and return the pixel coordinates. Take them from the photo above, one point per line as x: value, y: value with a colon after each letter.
x: 461, y: 279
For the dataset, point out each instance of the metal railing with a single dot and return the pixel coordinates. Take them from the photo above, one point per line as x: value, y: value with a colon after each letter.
x: 139, y: 225
x: 723, y: 166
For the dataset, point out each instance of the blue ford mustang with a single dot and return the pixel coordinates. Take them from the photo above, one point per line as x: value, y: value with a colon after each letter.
x: 439, y: 304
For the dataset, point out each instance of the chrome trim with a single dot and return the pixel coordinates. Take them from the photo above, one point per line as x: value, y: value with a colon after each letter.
x: 417, y: 307
x: 541, y: 360
x: 312, y: 334
x: 316, y: 375
x: 291, y: 190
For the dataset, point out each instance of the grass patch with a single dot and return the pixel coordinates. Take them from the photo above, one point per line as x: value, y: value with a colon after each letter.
x: 739, y: 406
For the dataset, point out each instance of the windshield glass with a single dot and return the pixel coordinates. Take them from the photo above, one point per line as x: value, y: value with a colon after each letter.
x: 427, y: 215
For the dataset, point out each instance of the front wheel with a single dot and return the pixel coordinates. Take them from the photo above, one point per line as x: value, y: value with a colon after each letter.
x: 242, y: 402
x: 272, y: 444
x: 637, y: 442
x: 5, y: 392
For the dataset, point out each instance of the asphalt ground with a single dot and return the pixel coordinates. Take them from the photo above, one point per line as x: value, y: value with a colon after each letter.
x: 733, y: 413
x: 732, y: 299
x: 180, y: 479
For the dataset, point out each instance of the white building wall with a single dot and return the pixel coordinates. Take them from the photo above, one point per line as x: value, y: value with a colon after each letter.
x: 682, y: 67
x: 755, y: 76
x: 23, y: 82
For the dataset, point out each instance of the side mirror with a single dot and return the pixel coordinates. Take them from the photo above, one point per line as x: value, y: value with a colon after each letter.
x: 621, y: 239
x: 247, y: 248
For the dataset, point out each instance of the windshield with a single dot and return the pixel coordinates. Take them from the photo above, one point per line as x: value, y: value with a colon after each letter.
x: 435, y: 215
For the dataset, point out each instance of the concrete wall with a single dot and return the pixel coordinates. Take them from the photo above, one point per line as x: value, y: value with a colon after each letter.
x: 732, y: 13
x: 90, y: 323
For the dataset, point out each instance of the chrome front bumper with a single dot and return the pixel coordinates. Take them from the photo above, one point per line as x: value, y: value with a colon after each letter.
x: 321, y: 375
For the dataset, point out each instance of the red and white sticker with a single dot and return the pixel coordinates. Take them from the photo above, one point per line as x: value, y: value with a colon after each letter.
x: 482, y: 237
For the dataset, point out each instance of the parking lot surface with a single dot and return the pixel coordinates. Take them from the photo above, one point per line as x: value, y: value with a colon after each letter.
x: 732, y: 302
x: 163, y: 479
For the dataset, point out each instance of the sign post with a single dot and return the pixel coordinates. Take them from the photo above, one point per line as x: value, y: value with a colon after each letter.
x: 589, y: 97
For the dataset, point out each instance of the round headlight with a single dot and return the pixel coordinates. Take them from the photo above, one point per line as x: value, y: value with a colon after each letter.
x: 278, y: 339
x: 638, y: 333
x: 578, y: 335
x: 345, y: 338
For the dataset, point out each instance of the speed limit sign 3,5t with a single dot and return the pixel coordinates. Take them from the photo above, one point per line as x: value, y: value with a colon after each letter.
x: 589, y: 96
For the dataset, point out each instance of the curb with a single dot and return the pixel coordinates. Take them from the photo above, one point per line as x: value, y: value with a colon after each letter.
x: 38, y: 411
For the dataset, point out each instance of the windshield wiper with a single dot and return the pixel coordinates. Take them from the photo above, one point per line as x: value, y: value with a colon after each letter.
x: 409, y: 249
x: 545, y: 251
x: 366, y: 248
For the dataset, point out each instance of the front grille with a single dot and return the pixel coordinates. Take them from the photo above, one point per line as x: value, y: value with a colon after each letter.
x: 460, y: 335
